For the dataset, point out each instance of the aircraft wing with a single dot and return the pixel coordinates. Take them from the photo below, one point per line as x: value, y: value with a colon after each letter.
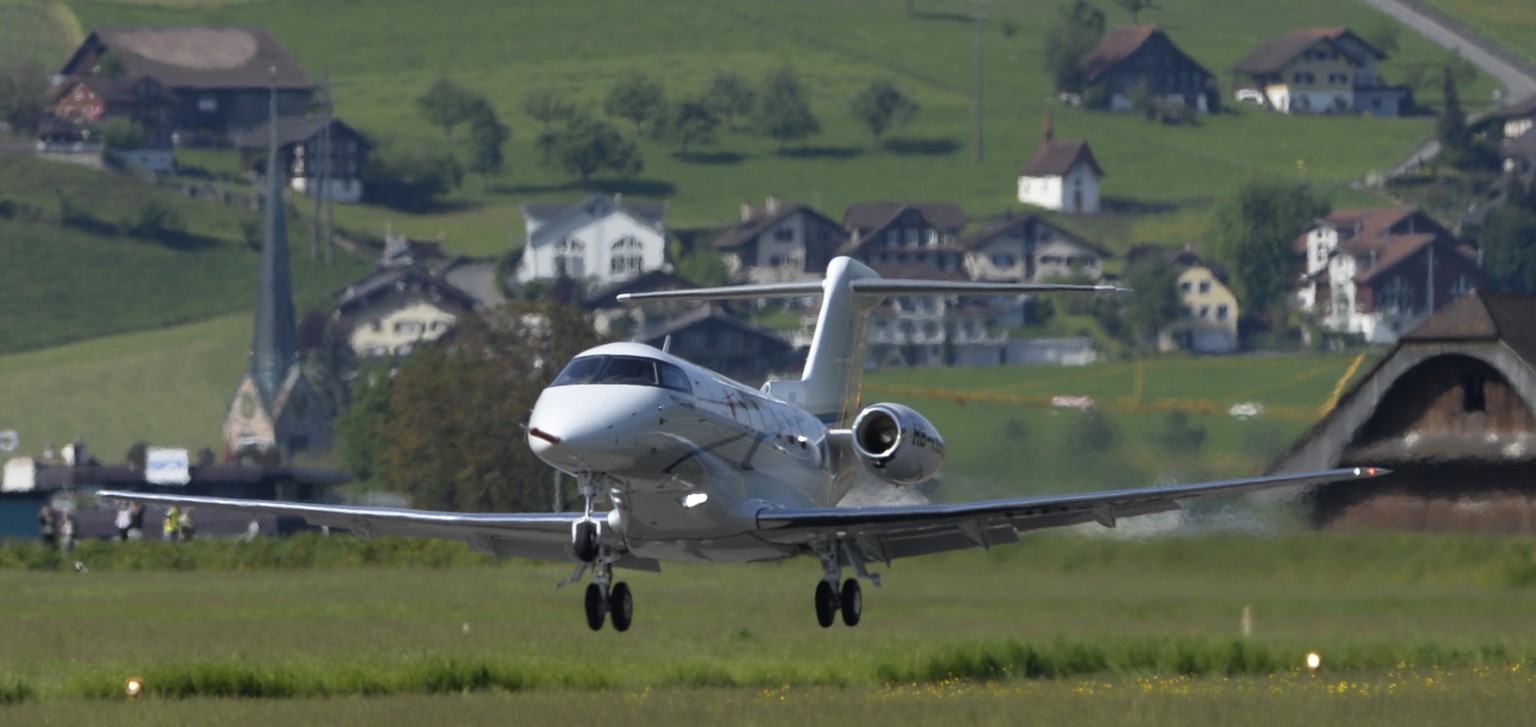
x: 886, y: 533
x: 542, y: 536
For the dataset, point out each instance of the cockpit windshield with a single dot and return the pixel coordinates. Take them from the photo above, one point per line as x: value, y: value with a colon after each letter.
x: 629, y: 370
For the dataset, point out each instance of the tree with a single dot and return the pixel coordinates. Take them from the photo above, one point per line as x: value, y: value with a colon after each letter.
x: 729, y: 96
x: 1451, y: 124
x: 453, y: 437
x: 410, y: 179
x: 691, y: 122
x: 1251, y: 229
x: 783, y: 113
x: 587, y: 146
x: 361, y: 426
x: 1178, y: 436
x: 1134, y: 7
x: 1507, y: 239
x: 1155, y: 302
x: 23, y: 94
x: 486, y: 136
x: 120, y: 134
x: 447, y: 105
x: 637, y: 98
x: 546, y: 107
x: 882, y: 106
x: 1065, y: 43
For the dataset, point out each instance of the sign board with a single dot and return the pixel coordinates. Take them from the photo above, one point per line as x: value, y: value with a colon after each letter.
x: 166, y: 466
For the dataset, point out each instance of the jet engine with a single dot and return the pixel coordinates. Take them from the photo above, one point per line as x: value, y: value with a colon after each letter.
x: 897, y: 444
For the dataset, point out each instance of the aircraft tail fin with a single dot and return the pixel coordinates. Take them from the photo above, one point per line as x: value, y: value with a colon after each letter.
x: 834, y: 367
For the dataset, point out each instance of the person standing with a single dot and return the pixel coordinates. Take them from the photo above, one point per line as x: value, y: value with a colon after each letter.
x: 172, y: 525
x: 67, y: 531
x: 48, y: 525
x: 123, y: 521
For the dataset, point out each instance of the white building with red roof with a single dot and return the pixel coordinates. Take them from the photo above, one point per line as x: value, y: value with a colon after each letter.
x: 1062, y: 175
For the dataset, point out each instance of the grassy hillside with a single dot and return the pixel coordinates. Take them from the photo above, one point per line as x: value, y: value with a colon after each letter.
x: 382, y: 54
x: 37, y: 31
x: 1510, y: 23
x: 65, y: 283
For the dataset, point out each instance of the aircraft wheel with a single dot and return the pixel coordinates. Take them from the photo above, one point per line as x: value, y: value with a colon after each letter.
x: 852, y: 602
x: 586, y: 544
x: 826, y: 604
x: 621, y: 606
x: 597, y: 606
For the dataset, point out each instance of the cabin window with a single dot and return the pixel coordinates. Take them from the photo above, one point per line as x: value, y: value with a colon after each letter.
x: 1473, y: 398
x: 623, y: 370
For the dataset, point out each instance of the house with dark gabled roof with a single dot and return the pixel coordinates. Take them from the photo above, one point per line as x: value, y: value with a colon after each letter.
x: 391, y: 311
x: 220, y: 77
x: 1451, y: 410
x: 722, y: 343
x: 304, y: 144
x: 1062, y: 175
x: 1378, y: 272
x: 779, y: 242
x: 612, y: 318
x: 88, y: 100
x: 1321, y: 70
x: 1144, y: 55
x: 899, y: 233
x: 1029, y: 248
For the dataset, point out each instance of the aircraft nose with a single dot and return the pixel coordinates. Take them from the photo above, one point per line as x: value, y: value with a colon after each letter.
x: 574, y: 425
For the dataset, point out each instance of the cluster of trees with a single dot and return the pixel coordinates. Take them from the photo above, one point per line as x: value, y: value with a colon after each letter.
x: 23, y: 91
x: 446, y: 428
x: 1078, y: 28
x: 1507, y: 239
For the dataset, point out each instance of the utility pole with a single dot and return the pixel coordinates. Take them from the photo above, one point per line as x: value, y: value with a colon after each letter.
x: 981, y: 15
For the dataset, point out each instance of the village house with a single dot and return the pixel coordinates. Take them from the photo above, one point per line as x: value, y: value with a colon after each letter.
x: 720, y: 342
x: 92, y: 99
x: 391, y: 311
x: 1027, y: 249
x: 1377, y: 272
x: 218, y: 77
x: 304, y: 144
x: 1320, y: 70
x: 620, y: 320
x: 897, y: 233
x: 1208, y: 323
x: 1062, y: 175
x: 600, y: 239
x: 779, y: 242
x: 1144, y: 56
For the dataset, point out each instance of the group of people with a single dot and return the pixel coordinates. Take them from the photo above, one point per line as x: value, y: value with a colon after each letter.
x: 59, y: 528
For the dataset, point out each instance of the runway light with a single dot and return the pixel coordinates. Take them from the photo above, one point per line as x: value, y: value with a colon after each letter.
x: 133, y: 688
x: 1314, y: 661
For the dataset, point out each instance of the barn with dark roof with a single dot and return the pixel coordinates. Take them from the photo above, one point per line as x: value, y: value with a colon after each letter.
x: 1451, y: 409
x: 1144, y: 55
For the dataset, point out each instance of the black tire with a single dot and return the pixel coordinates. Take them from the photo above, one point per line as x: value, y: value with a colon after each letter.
x: 597, y: 606
x: 852, y: 599
x: 586, y: 541
x: 621, y: 606
x: 826, y: 604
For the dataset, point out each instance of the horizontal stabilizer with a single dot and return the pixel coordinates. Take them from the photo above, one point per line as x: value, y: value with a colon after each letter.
x: 866, y: 286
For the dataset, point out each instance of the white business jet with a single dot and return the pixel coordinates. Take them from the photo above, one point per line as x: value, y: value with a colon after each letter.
x: 700, y: 468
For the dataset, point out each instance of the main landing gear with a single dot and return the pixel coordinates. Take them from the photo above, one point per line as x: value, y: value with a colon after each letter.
x: 605, y: 600
x: 830, y: 600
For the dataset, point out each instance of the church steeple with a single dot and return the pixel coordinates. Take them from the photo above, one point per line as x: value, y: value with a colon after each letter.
x: 274, y: 345
x: 1048, y: 130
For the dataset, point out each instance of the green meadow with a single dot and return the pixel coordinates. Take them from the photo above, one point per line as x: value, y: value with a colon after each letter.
x: 1510, y: 23
x: 381, y: 55
x: 1062, y: 622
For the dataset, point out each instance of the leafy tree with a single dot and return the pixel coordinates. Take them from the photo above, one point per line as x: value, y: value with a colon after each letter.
x: 784, y: 113
x: 635, y: 97
x: 1251, y: 229
x: 546, y: 107
x: 692, y: 121
x: 729, y: 96
x: 881, y: 106
x: 587, y: 146
x: 1507, y: 239
x: 120, y: 134
x: 1093, y: 433
x: 410, y: 179
x: 1065, y: 43
x: 328, y: 364
x: 702, y: 266
x: 453, y: 437
x: 23, y: 93
x: 447, y: 105
x: 1155, y: 302
x: 361, y: 426
x: 1134, y: 7
x: 486, y: 136
x: 1383, y: 35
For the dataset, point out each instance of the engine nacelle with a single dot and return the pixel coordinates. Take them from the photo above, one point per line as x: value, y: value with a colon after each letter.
x: 897, y: 444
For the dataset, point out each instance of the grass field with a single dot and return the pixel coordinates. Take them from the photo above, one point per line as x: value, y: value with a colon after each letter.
x: 1510, y: 23
x: 1060, y: 623
x: 391, y: 51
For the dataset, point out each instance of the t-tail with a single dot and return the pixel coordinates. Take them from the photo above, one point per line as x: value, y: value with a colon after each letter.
x: 834, y: 368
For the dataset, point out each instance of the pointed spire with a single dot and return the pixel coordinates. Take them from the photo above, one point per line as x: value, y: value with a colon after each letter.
x: 1049, y: 129
x: 274, y: 346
